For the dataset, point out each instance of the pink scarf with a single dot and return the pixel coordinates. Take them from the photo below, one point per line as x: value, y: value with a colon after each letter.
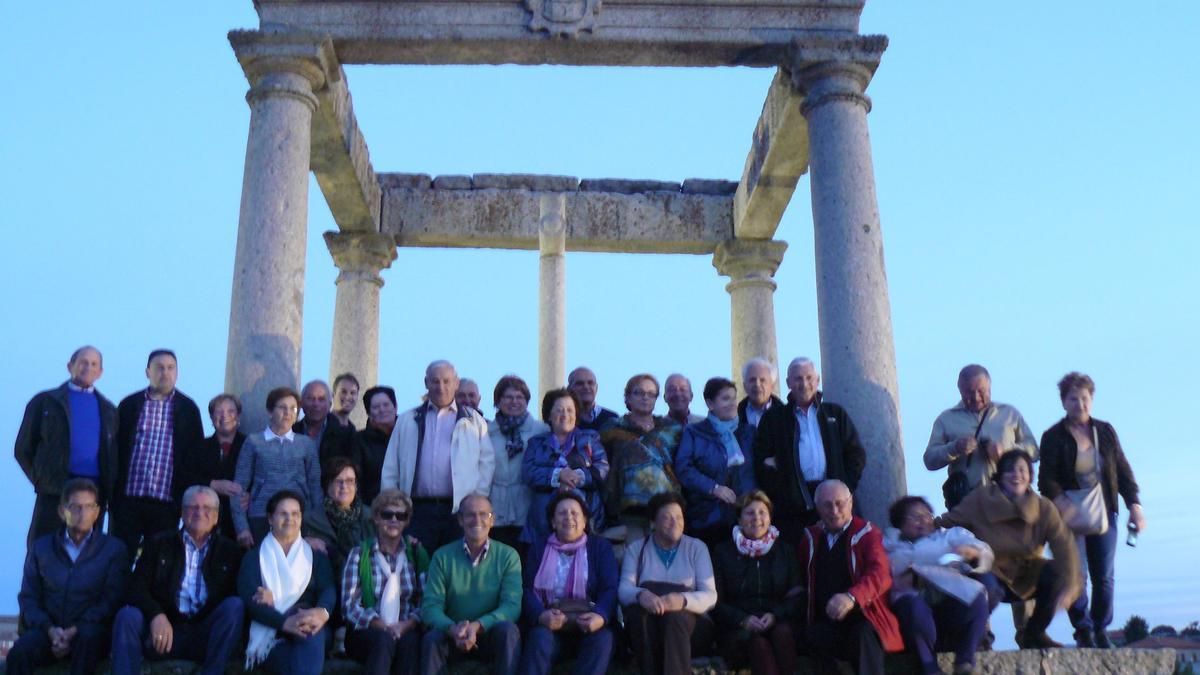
x: 547, y: 574
x: 754, y: 548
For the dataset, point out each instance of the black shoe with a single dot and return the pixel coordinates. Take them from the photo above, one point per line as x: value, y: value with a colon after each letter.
x: 1084, y: 639
x: 1102, y: 641
x: 986, y: 642
x: 1038, y: 641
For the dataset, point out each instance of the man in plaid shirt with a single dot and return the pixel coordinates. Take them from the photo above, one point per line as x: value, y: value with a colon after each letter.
x: 157, y: 428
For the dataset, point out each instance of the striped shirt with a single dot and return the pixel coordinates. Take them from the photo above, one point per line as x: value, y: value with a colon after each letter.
x: 152, y: 463
x: 360, y: 617
x: 193, y: 592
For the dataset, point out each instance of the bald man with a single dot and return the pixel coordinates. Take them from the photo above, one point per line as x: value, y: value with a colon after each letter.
x: 591, y: 415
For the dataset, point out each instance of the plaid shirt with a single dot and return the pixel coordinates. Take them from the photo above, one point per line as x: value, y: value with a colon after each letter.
x: 360, y: 617
x: 152, y: 464
x: 193, y: 592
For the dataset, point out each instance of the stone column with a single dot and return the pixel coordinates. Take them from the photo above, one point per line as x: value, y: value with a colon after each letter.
x: 267, y: 306
x: 750, y: 265
x: 552, y: 294
x: 858, y: 358
x: 360, y: 256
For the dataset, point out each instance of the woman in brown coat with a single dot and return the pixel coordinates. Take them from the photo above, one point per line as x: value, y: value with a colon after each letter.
x: 1017, y: 524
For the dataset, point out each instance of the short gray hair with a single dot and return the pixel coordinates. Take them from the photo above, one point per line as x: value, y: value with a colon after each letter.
x: 434, y: 365
x: 760, y: 361
x: 194, y: 490
x: 799, y: 362
x: 831, y: 484
x: 313, y: 383
x: 972, y: 371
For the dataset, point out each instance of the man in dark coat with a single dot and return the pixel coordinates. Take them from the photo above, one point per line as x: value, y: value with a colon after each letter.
x: 68, y: 432
x: 73, y: 582
x: 185, y: 583
x: 800, y: 444
x: 333, y: 439
x: 758, y: 381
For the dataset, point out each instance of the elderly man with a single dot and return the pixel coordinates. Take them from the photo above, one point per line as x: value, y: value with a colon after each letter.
x: 439, y: 453
x: 677, y: 392
x: 186, y: 584
x: 158, y: 429
x: 68, y: 432
x: 759, y: 378
x: 332, y: 439
x: 215, y: 463
x: 848, y: 577
x: 345, y: 398
x: 800, y: 444
x: 74, y: 580
x: 468, y: 394
x: 971, y: 436
x: 590, y: 415
x: 472, y: 597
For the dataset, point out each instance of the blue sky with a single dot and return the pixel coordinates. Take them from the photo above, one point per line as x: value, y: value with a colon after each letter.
x: 1032, y: 165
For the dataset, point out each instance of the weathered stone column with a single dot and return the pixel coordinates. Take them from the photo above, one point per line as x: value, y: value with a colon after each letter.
x: 360, y: 256
x: 267, y: 306
x: 750, y: 265
x: 858, y: 357
x: 552, y: 294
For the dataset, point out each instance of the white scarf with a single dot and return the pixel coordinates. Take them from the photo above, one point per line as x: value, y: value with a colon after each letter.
x: 389, y: 598
x: 287, y: 577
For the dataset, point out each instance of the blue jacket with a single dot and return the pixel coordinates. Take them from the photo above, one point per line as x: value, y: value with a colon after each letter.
x: 601, y: 582
x: 703, y: 464
x: 538, y: 467
x: 58, y: 592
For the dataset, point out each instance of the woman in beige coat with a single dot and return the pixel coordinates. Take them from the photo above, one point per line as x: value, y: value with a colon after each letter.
x: 1018, y: 524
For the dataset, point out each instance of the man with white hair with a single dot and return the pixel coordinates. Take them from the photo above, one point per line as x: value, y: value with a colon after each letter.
x: 759, y: 378
x: 800, y: 444
x: 333, y: 439
x: 439, y: 453
x: 468, y: 394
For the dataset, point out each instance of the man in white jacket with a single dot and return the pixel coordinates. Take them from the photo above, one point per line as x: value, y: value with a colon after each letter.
x: 439, y: 453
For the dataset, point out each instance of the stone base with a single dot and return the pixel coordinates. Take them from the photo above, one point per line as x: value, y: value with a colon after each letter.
x: 1024, y: 662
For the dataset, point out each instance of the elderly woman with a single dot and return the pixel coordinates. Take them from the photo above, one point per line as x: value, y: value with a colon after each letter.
x: 641, y: 449
x: 566, y: 458
x: 570, y: 597
x: 288, y: 591
x: 714, y: 464
x: 277, y: 459
x: 1017, y: 524
x: 370, y: 443
x: 347, y: 519
x: 1078, y: 453
x: 667, y: 588
x: 509, y: 432
x: 381, y: 591
x: 938, y: 605
x: 758, y: 590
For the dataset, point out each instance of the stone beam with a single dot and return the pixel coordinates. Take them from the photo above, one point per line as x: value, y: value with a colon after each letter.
x: 609, y: 33
x: 341, y: 161
x: 502, y: 211
x: 778, y: 157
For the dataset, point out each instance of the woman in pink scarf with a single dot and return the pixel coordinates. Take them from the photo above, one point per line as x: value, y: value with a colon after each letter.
x: 570, y: 595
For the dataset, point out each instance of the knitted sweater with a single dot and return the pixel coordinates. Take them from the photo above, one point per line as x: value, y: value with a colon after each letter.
x: 489, y: 592
x: 692, y: 567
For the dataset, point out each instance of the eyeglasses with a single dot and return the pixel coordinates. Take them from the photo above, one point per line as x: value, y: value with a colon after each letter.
x: 919, y: 517
x: 345, y: 482
x: 398, y: 516
x: 639, y: 393
x: 471, y: 516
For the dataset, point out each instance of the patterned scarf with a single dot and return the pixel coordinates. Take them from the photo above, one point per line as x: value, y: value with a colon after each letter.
x: 733, y: 451
x: 511, y: 428
x: 547, y: 574
x: 346, y: 523
x: 754, y: 548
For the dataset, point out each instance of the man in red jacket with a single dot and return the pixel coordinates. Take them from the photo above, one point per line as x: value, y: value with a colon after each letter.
x: 848, y: 579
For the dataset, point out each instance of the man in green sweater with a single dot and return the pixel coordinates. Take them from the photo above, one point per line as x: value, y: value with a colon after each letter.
x: 472, y: 597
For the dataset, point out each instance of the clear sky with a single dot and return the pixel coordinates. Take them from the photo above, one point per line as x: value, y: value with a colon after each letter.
x: 1033, y: 165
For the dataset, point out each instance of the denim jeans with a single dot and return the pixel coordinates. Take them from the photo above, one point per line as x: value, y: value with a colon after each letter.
x: 1097, y: 559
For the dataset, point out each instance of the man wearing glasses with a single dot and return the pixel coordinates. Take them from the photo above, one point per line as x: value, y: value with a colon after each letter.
x: 472, y: 597
x: 186, y: 584
x: 73, y: 582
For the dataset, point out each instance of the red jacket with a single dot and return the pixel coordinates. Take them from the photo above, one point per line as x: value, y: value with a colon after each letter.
x: 871, y: 574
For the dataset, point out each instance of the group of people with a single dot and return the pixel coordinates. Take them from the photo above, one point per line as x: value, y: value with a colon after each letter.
x: 434, y: 534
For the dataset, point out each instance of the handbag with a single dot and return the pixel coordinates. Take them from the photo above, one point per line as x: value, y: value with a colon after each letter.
x: 1091, y: 516
x: 573, y: 608
x: 958, y: 484
x: 659, y: 588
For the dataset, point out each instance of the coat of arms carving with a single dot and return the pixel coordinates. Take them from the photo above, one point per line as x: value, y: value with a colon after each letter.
x: 563, y: 18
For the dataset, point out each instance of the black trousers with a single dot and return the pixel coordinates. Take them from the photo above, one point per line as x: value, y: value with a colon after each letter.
x: 380, y: 654
x: 433, y: 524
x: 135, y: 519
x: 665, y: 644
x: 852, y: 639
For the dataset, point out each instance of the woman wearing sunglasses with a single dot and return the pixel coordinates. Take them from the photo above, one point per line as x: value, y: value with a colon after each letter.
x: 381, y: 591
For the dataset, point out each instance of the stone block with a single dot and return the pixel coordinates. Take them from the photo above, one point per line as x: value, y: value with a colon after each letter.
x: 524, y: 181
x: 705, y: 186
x: 626, y: 187
x: 452, y: 183
x: 411, y: 181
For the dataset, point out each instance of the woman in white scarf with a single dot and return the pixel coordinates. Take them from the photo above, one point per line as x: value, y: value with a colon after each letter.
x: 289, y: 591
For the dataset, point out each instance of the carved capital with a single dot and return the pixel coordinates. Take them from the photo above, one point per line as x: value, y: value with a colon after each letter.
x: 749, y: 261
x: 552, y: 224
x: 361, y: 255
x: 837, y: 71
x: 285, y: 64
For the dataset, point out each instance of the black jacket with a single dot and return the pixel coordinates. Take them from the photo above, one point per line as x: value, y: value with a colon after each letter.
x: 845, y: 457
x: 187, y: 435
x: 745, y: 402
x: 754, y: 586
x: 205, y: 465
x: 337, y: 441
x: 58, y: 592
x: 154, y: 587
x: 43, y: 447
x: 370, y: 447
x: 1056, y: 471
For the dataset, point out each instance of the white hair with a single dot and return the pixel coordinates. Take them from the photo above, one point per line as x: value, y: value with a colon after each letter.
x: 313, y: 383
x: 801, y: 361
x: 831, y: 484
x: 760, y: 361
x: 440, y: 363
x: 194, y: 490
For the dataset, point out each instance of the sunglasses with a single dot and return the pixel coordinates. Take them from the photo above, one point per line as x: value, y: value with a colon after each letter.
x: 398, y: 516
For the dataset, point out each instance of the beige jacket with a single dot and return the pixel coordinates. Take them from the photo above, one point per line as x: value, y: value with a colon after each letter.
x: 1003, y: 425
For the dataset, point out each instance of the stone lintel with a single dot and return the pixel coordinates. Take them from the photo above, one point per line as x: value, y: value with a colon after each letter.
x: 640, y: 222
x: 742, y: 259
x: 341, y: 161
x: 612, y: 33
x: 778, y: 157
